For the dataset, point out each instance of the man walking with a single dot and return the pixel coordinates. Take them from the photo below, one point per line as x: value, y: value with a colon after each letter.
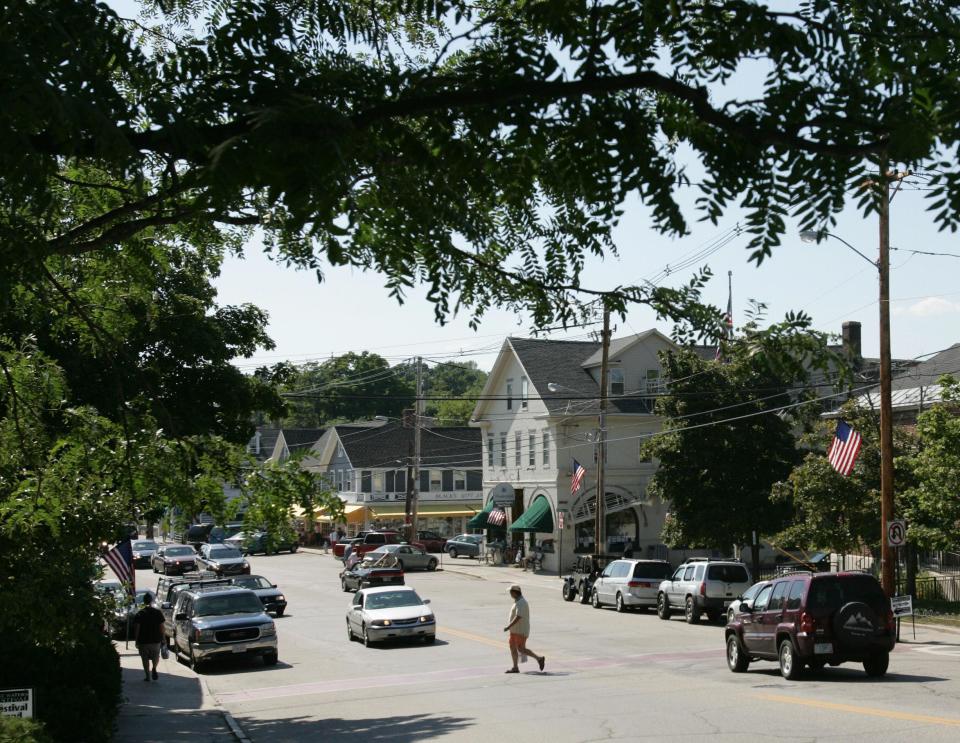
x: 519, y: 629
x: 148, y: 634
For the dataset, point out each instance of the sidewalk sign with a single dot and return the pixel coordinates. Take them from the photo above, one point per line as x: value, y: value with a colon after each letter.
x: 902, y: 606
x: 16, y: 702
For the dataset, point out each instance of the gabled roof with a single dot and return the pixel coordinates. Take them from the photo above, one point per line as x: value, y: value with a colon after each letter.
x: 391, y: 446
x: 916, y: 386
x: 619, y: 345
x: 268, y: 439
x: 301, y: 438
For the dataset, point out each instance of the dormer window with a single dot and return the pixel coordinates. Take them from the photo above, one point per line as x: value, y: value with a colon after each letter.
x: 616, y: 381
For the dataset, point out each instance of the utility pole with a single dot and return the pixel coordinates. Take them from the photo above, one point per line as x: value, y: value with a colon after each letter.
x: 414, y: 507
x: 599, y: 541
x: 886, y: 406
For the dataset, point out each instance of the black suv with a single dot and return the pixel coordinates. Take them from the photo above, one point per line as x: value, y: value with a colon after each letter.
x: 812, y: 619
x: 585, y: 571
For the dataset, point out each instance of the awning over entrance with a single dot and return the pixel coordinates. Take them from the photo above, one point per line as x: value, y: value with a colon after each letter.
x: 352, y: 514
x: 480, y: 520
x: 537, y: 518
x: 424, y: 509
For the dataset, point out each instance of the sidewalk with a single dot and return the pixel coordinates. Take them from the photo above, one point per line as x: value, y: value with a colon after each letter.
x: 175, y: 708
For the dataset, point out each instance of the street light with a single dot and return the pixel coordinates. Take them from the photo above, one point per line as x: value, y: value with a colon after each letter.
x: 882, y: 264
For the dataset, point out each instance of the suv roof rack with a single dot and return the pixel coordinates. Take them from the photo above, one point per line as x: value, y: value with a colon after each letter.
x: 712, y: 559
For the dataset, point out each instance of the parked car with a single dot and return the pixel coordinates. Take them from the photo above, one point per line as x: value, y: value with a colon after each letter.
x: 250, y: 543
x: 379, y: 614
x: 431, y: 541
x: 381, y: 571
x: 702, y: 585
x: 746, y: 598
x: 173, y: 559
x: 340, y: 548
x: 467, y: 545
x: 812, y: 619
x: 200, y: 534
x: 143, y: 550
x: 222, y: 560
x: 629, y: 583
x: 169, y: 587
x: 374, y: 540
x: 585, y: 571
x: 268, y: 593
x: 125, y: 607
x: 408, y: 556
x: 215, y: 621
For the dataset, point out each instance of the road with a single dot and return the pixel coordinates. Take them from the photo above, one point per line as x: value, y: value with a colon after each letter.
x: 608, y: 676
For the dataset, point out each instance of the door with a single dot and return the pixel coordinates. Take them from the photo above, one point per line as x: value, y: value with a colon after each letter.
x: 601, y: 585
x: 618, y: 581
x: 674, y: 579
x: 356, y: 609
x: 181, y: 627
x: 750, y: 621
x: 770, y: 619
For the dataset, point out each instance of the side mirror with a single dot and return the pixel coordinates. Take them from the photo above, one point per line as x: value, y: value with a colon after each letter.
x: 273, y: 585
x: 181, y: 617
x: 745, y: 607
x: 426, y: 601
x: 166, y: 605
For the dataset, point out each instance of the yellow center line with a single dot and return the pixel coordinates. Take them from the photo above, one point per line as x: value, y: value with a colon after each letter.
x: 499, y: 644
x: 871, y: 711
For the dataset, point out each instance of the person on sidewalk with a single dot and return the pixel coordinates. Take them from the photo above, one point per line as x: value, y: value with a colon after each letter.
x: 519, y: 629
x: 148, y: 634
x: 334, y: 538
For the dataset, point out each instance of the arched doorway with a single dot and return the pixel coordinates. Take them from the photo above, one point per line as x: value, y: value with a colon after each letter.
x: 621, y: 523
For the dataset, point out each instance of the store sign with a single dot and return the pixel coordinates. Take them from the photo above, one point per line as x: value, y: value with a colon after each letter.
x: 16, y: 702
x: 502, y: 494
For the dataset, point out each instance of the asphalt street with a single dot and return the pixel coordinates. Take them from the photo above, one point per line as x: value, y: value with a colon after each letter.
x: 608, y: 676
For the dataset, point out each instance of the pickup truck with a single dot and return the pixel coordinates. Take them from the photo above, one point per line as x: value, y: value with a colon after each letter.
x: 367, y: 541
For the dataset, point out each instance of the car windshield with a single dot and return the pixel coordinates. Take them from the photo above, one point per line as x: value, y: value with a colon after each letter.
x: 252, y: 581
x: 392, y: 599
x: 834, y: 592
x: 727, y: 573
x: 236, y: 603
x: 224, y: 553
x: 659, y: 570
x: 144, y: 545
x: 752, y: 591
x: 179, y: 551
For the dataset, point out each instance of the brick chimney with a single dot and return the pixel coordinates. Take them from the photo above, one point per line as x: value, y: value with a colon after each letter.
x: 851, y: 339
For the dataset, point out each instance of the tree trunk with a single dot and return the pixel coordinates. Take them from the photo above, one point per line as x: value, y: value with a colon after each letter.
x: 755, y: 560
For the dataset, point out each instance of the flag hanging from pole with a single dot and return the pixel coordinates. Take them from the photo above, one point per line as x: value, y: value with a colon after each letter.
x: 497, y: 517
x: 578, y: 474
x: 120, y: 560
x: 844, y: 449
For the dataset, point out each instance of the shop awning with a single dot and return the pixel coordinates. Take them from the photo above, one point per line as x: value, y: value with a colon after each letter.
x: 352, y: 514
x: 424, y: 509
x: 537, y: 518
x: 480, y: 520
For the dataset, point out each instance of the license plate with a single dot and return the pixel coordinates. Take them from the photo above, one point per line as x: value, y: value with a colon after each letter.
x: 239, y: 649
x: 823, y: 648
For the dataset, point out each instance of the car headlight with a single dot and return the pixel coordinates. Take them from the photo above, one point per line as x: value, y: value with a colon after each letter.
x: 281, y: 597
x: 245, y: 564
x: 205, y: 635
x: 380, y: 622
x: 268, y: 629
x: 426, y: 618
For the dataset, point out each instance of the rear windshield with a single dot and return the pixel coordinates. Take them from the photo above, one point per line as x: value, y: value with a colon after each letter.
x: 835, y: 591
x: 651, y: 570
x: 728, y: 573
x: 180, y: 551
x: 224, y: 553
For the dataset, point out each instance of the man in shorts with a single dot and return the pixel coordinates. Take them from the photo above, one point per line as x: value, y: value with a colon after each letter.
x: 148, y: 634
x: 519, y: 629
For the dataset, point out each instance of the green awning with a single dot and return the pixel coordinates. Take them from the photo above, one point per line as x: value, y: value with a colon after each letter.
x: 537, y: 518
x: 480, y: 520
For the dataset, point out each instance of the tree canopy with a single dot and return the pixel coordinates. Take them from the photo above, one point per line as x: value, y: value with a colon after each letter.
x: 483, y: 149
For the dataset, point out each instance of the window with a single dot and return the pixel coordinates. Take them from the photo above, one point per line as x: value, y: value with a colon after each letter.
x: 795, y: 596
x: 728, y: 573
x: 490, y: 450
x: 459, y: 480
x: 699, y: 574
x: 688, y: 573
x: 532, y: 454
x: 340, y: 452
x: 762, y: 598
x: 654, y: 383
x: 524, y: 392
x: 436, y: 481
x: 616, y: 381
x: 509, y: 394
x: 364, y: 481
x: 348, y: 480
x: 776, y: 598
x: 339, y: 474
x: 546, y: 448
x: 377, y: 482
x: 503, y: 449
x: 517, y: 439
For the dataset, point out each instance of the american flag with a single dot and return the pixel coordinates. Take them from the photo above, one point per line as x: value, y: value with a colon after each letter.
x: 497, y: 517
x: 844, y: 449
x: 120, y: 560
x: 578, y: 475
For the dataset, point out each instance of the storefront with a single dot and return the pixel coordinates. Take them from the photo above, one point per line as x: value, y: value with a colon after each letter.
x: 445, y: 519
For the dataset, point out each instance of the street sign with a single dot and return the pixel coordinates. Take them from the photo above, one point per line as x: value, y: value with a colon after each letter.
x: 560, y: 519
x: 896, y: 533
x: 16, y: 702
x: 902, y: 606
x: 502, y: 494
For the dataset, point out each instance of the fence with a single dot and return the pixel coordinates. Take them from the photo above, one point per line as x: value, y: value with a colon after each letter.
x: 940, y: 594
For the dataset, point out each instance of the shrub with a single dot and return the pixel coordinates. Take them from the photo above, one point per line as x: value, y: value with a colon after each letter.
x: 19, y: 730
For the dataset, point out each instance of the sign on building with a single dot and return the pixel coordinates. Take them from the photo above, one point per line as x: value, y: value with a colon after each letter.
x: 502, y: 494
x: 16, y: 702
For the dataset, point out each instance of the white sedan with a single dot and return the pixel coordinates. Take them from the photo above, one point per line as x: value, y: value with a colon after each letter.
x: 390, y: 612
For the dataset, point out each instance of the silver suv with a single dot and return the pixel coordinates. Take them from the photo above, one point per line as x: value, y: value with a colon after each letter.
x: 221, y: 621
x: 629, y: 583
x: 700, y: 585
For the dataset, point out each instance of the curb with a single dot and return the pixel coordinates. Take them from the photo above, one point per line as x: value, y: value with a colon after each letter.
x: 228, y: 718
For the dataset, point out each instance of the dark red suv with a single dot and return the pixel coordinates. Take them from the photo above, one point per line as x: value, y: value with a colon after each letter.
x: 812, y: 619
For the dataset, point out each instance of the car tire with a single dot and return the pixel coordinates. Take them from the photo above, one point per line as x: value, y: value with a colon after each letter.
x: 621, y: 607
x: 595, y: 599
x: 690, y: 611
x: 349, y: 632
x: 568, y: 594
x: 663, y: 606
x: 270, y: 659
x: 195, y: 664
x: 790, y: 665
x: 343, y: 585
x: 400, y: 565
x: 737, y: 660
x: 429, y: 639
x: 293, y: 549
x: 453, y: 552
x: 876, y: 665
x: 365, y: 636
x: 432, y: 565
